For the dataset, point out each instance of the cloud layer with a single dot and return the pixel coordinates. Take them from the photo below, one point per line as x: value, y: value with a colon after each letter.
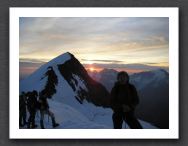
x: 114, y: 41
x: 131, y: 40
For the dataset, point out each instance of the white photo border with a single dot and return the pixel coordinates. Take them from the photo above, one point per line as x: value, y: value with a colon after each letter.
x: 172, y: 133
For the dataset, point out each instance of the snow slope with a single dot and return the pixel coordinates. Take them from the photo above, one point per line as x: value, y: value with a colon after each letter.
x: 37, y: 81
x: 70, y: 118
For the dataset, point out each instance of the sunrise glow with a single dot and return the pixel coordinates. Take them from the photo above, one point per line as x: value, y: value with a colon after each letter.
x: 133, y: 44
x: 91, y: 69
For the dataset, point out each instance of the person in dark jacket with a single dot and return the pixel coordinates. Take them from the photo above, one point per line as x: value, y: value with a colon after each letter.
x: 22, y: 110
x: 44, y: 109
x: 32, y: 106
x: 124, y: 100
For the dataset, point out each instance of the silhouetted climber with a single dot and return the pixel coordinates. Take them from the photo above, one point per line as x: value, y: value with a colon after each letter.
x: 51, y: 82
x: 32, y: 106
x: 22, y: 109
x: 44, y: 109
x: 124, y: 99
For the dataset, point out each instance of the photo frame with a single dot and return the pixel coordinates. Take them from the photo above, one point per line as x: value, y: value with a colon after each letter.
x: 171, y: 133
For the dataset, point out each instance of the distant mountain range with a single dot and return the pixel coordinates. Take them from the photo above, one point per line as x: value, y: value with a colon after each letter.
x: 153, y: 90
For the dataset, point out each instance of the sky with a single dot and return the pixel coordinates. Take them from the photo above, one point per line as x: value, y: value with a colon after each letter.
x: 121, y: 43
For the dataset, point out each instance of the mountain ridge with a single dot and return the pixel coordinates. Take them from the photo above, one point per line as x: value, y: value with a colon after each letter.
x: 68, y: 67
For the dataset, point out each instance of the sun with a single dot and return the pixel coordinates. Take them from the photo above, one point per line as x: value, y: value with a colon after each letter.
x: 91, y: 69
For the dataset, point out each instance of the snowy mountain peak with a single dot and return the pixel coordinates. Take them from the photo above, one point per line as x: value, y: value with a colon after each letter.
x: 60, y: 59
x: 152, y: 78
x: 65, y: 77
x: 158, y: 73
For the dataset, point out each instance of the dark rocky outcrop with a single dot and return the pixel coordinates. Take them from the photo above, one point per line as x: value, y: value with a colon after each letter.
x: 95, y: 93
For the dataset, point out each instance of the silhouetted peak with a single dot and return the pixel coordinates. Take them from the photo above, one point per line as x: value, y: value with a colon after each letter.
x: 107, y: 70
